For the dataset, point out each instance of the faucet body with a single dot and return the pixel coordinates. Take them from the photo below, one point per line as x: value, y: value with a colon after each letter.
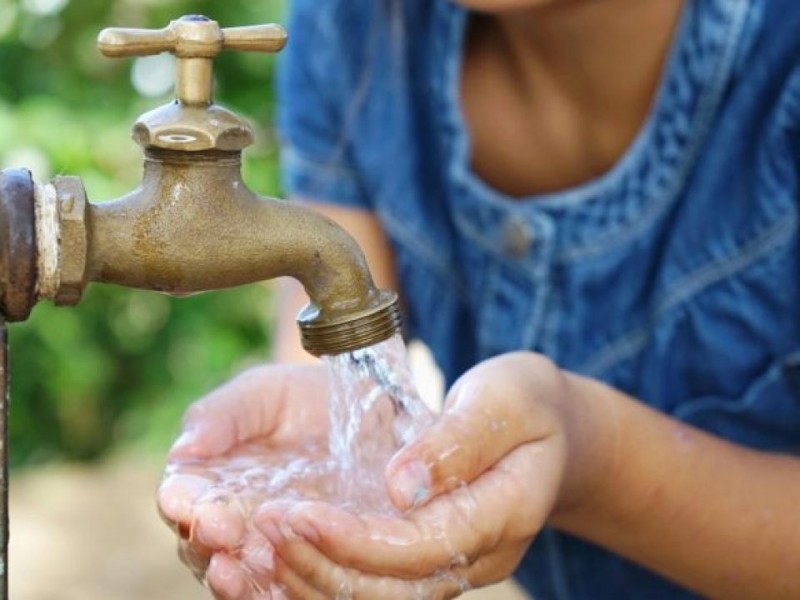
x: 193, y: 225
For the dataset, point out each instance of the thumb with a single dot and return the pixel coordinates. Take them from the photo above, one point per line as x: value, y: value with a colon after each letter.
x: 227, y: 416
x: 482, y: 422
x: 245, y: 408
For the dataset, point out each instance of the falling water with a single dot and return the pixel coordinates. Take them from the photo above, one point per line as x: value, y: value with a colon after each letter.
x: 375, y: 410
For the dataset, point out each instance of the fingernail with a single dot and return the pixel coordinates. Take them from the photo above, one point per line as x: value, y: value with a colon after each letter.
x: 413, y: 484
x: 187, y: 438
x: 178, y: 493
x: 184, y: 531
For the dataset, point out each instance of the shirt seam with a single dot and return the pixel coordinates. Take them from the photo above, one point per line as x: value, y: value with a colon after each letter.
x: 630, y: 344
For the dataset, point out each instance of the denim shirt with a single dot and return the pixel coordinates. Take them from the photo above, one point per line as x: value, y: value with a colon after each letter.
x: 674, y: 277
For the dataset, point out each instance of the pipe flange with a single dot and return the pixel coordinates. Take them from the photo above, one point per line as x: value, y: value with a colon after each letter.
x: 18, y: 268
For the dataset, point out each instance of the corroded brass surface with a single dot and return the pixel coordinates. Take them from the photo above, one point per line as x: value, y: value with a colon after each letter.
x: 192, y: 129
x: 192, y: 123
x: 74, y: 243
x: 17, y: 244
x: 193, y: 225
x: 192, y: 36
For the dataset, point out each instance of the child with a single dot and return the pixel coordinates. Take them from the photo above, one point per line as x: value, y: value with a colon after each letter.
x: 611, y: 184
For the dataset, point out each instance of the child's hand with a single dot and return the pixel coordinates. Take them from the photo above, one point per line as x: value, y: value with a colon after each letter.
x: 284, y: 405
x: 478, y: 487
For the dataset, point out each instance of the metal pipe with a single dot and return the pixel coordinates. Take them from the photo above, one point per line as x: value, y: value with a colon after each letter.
x: 4, y: 379
x: 18, y: 271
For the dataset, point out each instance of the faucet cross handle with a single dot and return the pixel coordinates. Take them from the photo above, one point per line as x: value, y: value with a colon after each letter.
x: 195, y: 41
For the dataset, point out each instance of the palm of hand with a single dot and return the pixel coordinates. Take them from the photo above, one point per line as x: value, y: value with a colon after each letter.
x: 260, y: 439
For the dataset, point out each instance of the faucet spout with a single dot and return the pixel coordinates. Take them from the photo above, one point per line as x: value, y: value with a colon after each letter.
x: 193, y: 225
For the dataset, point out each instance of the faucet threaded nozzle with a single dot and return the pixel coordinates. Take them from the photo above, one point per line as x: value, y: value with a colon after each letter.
x: 352, y: 330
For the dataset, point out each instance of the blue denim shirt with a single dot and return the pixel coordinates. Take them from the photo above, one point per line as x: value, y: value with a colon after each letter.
x: 673, y: 277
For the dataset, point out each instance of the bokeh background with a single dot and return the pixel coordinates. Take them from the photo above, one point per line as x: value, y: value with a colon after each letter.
x: 98, y: 390
x: 120, y: 368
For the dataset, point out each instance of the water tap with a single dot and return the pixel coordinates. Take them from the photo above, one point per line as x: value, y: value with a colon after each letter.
x: 192, y: 225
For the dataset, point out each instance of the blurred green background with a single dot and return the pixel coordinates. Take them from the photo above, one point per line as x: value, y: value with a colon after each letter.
x: 119, y: 370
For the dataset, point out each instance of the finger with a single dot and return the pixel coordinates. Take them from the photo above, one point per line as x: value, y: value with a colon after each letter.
x: 301, y: 575
x: 309, y: 575
x: 176, y: 497
x: 490, y: 411
x: 218, y: 525
x: 229, y: 579
x: 257, y: 555
x: 386, y: 546
x: 247, y: 407
x: 293, y: 585
x: 197, y: 561
x: 277, y: 592
x: 491, y: 568
x: 226, y: 578
x: 501, y: 506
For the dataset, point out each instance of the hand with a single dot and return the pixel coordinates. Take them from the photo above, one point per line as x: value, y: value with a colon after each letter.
x: 274, y: 410
x: 477, y: 487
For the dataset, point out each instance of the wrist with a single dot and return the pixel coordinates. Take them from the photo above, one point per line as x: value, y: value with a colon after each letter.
x: 590, y: 429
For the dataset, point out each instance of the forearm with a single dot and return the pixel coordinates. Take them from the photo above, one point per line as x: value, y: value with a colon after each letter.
x: 718, y: 518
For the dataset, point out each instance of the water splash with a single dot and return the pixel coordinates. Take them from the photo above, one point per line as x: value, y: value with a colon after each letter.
x: 375, y: 409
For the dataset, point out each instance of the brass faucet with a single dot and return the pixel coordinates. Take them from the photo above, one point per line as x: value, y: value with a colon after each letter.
x: 192, y: 225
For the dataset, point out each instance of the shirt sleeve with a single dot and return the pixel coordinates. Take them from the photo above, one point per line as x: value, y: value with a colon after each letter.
x: 315, y: 92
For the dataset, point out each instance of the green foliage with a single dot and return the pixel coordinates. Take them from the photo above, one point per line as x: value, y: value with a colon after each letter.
x: 122, y: 366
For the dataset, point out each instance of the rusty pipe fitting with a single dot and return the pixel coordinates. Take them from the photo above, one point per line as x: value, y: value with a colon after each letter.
x: 18, y: 253
x: 73, y: 210
x: 61, y: 240
x: 42, y: 242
